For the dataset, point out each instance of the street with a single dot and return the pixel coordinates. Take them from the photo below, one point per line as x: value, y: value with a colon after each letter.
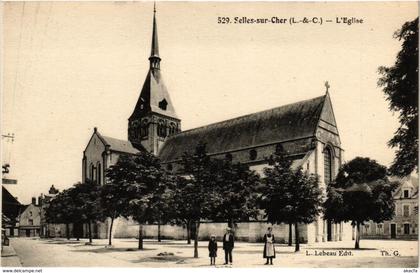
x: 124, y: 253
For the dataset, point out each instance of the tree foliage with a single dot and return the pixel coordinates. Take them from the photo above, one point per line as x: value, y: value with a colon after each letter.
x: 144, y: 181
x: 114, y: 198
x: 61, y: 210
x: 400, y: 85
x: 182, y: 203
x: 200, y: 188
x: 86, y: 198
x: 78, y: 204
x: 290, y: 196
x: 235, y: 193
x: 361, y: 192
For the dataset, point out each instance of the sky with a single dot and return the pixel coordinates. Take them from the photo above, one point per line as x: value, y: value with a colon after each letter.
x: 71, y: 66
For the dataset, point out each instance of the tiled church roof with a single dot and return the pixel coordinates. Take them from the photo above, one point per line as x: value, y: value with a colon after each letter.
x: 288, y: 122
x: 153, y: 92
x: 119, y: 145
x: 154, y: 96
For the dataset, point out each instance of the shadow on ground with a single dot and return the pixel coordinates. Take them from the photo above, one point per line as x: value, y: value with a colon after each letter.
x: 114, y: 249
x: 261, y: 251
x: 51, y: 242
x: 340, y: 248
x: 162, y: 259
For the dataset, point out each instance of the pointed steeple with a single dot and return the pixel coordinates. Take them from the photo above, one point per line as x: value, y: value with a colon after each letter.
x: 154, y: 118
x: 154, y: 54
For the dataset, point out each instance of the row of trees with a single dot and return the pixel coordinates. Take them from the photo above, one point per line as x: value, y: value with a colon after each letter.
x: 219, y: 190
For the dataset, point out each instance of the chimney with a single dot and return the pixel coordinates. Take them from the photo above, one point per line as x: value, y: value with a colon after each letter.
x: 40, y: 201
x: 33, y: 200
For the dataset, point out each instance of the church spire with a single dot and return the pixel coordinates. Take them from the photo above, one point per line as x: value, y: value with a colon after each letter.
x: 154, y: 54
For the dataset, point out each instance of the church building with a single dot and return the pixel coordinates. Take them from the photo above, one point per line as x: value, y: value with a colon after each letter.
x: 306, y: 130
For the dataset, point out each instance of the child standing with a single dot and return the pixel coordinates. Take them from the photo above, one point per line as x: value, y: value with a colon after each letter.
x: 212, y: 249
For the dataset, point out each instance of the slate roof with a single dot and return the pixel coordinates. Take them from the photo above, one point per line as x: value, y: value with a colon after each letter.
x: 154, y: 89
x: 119, y: 145
x: 410, y: 181
x: 155, y: 45
x: 11, y: 207
x: 284, y: 123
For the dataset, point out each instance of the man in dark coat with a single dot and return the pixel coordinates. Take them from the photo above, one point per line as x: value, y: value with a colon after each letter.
x: 228, y: 243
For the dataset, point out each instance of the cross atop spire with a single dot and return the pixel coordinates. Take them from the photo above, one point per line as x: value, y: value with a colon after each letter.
x: 327, y: 86
x: 154, y: 54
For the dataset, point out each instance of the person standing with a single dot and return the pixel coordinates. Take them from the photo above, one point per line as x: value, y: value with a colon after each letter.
x: 269, y: 250
x: 228, y: 244
x: 212, y: 249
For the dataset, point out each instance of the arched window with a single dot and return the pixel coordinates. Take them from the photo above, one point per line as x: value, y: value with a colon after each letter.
x: 161, y: 128
x: 328, y: 165
x: 99, y: 173
x: 172, y: 128
x: 92, y: 174
x: 144, y: 128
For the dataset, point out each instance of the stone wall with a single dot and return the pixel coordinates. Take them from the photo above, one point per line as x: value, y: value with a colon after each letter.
x: 246, y: 231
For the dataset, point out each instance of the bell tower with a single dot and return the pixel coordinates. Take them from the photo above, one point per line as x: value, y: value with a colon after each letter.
x: 154, y: 118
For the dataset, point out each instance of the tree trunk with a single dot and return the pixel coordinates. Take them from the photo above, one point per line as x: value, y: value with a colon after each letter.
x: 67, y: 231
x: 297, y: 245
x: 188, y: 232
x: 231, y: 224
x: 110, y: 231
x: 141, y: 236
x: 197, y: 227
x: 76, y: 230
x: 357, y: 244
x: 159, y: 238
x: 90, y: 232
x: 290, y: 234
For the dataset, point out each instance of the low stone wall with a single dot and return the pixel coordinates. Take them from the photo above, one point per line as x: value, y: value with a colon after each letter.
x: 246, y: 231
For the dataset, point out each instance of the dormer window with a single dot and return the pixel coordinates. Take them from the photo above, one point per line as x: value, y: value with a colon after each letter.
x: 163, y: 104
x: 406, y: 194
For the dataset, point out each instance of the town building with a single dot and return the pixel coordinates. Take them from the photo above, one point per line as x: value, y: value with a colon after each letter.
x: 49, y: 229
x: 306, y: 130
x: 30, y: 220
x: 10, y: 210
x: 404, y: 225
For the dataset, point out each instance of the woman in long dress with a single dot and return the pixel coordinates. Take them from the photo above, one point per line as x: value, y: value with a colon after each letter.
x: 269, y: 250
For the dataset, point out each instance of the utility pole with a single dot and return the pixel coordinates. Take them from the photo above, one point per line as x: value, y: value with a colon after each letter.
x: 10, y: 138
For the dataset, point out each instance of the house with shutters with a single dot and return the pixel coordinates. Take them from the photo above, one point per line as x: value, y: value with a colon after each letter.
x: 404, y: 224
x: 306, y: 130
